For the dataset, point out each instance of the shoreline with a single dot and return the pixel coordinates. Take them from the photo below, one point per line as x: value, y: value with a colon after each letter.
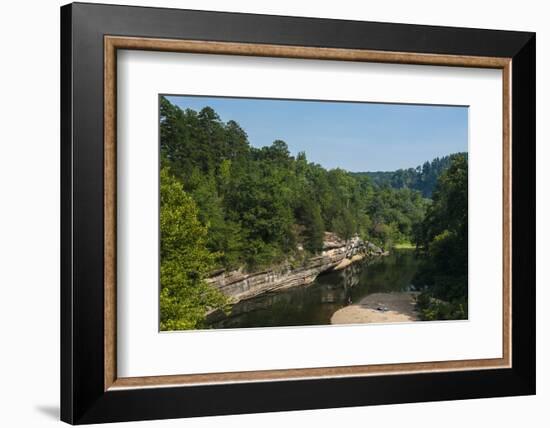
x: 337, y: 254
x: 347, y: 262
x: 397, y: 307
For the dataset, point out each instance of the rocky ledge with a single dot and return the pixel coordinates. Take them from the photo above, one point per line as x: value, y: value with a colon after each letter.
x: 337, y: 254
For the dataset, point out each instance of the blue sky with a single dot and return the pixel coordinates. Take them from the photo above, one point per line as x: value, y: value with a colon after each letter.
x: 353, y: 136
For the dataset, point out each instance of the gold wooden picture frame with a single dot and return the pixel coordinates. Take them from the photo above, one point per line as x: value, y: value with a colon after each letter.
x: 114, y: 43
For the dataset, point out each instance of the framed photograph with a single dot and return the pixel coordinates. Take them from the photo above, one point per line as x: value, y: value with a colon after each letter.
x: 266, y: 213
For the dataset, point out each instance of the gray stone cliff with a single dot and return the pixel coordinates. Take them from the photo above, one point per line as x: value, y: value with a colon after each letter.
x: 336, y: 254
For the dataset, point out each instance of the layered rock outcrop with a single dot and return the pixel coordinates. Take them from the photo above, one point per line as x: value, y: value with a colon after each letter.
x: 337, y: 254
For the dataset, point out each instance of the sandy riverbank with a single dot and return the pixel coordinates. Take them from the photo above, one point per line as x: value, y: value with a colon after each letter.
x: 400, y: 309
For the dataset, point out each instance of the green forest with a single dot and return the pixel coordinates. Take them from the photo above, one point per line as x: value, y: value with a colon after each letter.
x: 422, y: 178
x: 227, y: 205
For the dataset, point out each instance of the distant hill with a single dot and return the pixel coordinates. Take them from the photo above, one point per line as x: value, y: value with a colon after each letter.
x: 421, y: 178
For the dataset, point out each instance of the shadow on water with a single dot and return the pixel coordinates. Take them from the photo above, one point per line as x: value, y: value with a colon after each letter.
x: 315, y: 304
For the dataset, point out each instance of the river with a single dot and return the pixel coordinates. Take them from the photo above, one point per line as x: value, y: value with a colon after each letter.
x: 315, y: 304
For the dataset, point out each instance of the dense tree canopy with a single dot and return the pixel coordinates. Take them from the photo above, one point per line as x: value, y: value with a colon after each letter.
x: 261, y: 205
x: 422, y: 178
x: 443, y: 235
x: 185, y: 297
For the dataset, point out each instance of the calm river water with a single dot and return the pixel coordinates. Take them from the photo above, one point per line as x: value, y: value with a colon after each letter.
x: 315, y: 304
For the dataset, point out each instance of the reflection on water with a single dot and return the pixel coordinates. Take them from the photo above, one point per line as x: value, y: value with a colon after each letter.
x: 315, y: 304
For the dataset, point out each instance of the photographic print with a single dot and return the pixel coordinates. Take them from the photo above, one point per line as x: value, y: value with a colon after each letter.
x: 325, y: 190
x: 279, y: 213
